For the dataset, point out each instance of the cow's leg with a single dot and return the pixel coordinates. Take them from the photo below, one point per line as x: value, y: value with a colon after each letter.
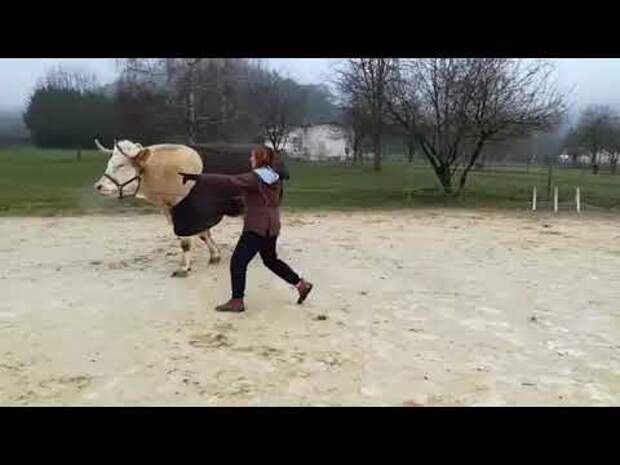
x: 168, y: 215
x: 186, y: 261
x: 214, y: 251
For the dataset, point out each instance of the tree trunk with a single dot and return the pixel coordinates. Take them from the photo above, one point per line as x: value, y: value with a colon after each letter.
x: 377, y: 149
x: 275, y: 141
x: 191, y: 117
x: 595, y: 166
x: 443, y: 173
x: 356, y: 149
x: 613, y: 165
x: 549, y: 178
x: 472, y: 161
x: 376, y: 139
x: 410, y: 149
x: 191, y: 105
x: 441, y: 170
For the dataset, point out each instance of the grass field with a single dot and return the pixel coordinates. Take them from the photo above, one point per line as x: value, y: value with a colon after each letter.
x: 49, y: 182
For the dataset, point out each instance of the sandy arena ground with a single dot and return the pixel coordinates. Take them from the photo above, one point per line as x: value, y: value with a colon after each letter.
x: 432, y: 308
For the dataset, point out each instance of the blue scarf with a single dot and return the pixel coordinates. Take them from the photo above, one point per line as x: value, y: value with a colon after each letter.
x: 267, y: 174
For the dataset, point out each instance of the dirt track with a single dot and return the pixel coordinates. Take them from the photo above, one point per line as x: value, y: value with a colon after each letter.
x: 434, y: 308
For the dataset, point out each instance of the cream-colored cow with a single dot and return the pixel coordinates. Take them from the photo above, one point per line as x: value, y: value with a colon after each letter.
x: 151, y: 173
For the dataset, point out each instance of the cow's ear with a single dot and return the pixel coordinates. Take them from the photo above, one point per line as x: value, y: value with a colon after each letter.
x: 142, y: 156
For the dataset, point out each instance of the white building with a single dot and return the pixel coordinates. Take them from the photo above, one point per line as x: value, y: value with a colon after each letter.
x: 603, y: 158
x: 328, y: 141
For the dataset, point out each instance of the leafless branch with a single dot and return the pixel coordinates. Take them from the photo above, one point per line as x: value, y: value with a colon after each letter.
x: 454, y: 107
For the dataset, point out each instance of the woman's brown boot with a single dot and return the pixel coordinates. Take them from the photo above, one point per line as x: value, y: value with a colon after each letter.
x: 304, y: 289
x: 233, y: 305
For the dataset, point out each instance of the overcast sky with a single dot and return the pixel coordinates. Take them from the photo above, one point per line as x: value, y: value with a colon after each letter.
x: 593, y: 80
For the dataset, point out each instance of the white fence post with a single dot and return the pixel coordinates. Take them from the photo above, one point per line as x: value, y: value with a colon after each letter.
x: 578, y: 199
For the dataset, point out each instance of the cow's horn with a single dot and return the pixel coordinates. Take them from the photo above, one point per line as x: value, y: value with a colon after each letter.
x: 101, y: 147
x: 120, y: 149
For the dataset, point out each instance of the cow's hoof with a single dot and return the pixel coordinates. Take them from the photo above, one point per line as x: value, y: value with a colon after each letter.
x: 214, y: 260
x: 179, y: 274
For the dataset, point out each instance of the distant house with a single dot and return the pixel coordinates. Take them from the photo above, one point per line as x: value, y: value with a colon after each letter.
x: 603, y: 158
x: 326, y: 141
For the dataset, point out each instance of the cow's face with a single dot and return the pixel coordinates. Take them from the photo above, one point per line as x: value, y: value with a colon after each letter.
x: 123, y: 169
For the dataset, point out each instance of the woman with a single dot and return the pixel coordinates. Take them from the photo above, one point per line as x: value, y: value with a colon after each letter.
x: 262, y: 193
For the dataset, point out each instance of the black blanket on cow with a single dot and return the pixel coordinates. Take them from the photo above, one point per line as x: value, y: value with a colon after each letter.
x: 205, y: 206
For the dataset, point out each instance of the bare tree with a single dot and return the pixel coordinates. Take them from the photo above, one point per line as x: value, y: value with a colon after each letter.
x: 410, y: 143
x: 595, y: 131
x: 202, y: 93
x: 613, y: 161
x: 614, y: 146
x: 277, y: 103
x: 63, y: 78
x: 211, y: 92
x: 365, y: 81
x: 197, y: 99
x: 356, y: 119
x: 456, y: 106
x: 144, y: 71
x: 186, y: 74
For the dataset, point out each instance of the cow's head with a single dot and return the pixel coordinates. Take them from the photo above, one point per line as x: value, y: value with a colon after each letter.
x: 123, y: 173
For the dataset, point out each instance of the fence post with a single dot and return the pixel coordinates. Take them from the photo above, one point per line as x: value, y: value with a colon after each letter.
x: 534, y: 199
x: 555, y: 199
x: 549, y: 178
x: 578, y: 199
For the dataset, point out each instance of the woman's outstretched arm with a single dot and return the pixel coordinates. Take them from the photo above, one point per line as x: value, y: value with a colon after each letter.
x: 242, y: 181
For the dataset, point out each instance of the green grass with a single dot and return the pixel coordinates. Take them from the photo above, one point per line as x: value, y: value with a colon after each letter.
x: 50, y: 182
x: 401, y: 185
